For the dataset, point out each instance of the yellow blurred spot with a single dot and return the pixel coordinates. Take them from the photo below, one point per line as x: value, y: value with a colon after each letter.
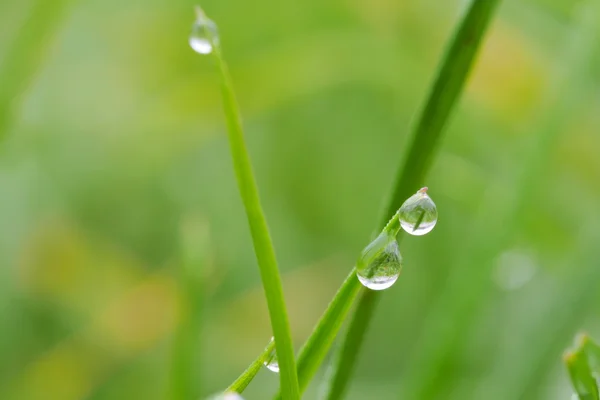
x: 60, y: 374
x: 73, y: 369
x: 144, y: 315
x: 509, y: 76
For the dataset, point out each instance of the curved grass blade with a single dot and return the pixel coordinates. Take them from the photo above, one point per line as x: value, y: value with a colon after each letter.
x: 452, y: 75
x: 580, y: 372
x: 263, y: 247
x: 335, y: 381
x: 465, y: 302
x: 592, y: 351
x: 240, y: 384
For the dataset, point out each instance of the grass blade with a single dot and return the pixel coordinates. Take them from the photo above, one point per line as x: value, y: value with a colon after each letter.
x: 593, y: 352
x: 240, y: 384
x: 447, y: 87
x: 337, y: 376
x: 580, y: 373
x: 444, y: 336
x: 263, y: 246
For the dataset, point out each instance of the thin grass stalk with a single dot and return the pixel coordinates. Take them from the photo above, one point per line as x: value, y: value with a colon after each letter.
x: 240, y: 384
x: 263, y: 246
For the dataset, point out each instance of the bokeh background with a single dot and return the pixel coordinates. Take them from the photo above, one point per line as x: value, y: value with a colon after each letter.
x: 117, y: 194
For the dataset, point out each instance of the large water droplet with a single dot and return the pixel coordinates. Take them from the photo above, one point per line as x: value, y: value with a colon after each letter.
x: 418, y: 214
x: 379, y: 264
x: 204, y: 35
x: 272, y: 362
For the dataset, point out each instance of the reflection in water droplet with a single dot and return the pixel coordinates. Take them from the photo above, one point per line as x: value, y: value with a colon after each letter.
x: 418, y: 215
x: 204, y: 35
x: 379, y: 264
x: 272, y: 362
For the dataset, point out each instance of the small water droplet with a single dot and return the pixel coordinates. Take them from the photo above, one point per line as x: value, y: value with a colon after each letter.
x: 226, y: 396
x: 272, y: 362
x: 379, y: 264
x: 204, y: 35
x: 418, y: 214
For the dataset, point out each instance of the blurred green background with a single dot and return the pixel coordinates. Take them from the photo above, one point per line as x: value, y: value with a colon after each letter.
x: 115, y: 172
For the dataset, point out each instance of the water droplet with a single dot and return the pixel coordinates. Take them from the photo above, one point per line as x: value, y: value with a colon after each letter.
x: 204, y: 35
x: 379, y: 264
x: 226, y: 396
x: 272, y: 362
x: 418, y: 214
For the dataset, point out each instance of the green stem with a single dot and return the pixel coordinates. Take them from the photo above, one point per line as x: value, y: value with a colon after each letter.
x: 452, y: 75
x: 593, y: 353
x: 582, y: 379
x: 337, y: 377
x: 261, y: 238
x: 240, y: 384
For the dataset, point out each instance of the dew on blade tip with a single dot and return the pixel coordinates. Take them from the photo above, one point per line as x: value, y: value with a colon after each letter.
x: 204, y: 34
x: 418, y: 214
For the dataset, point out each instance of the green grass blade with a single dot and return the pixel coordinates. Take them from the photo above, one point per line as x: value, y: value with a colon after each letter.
x: 337, y: 376
x: 592, y: 350
x: 240, y: 384
x: 581, y: 376
x: 444, y: 338
x: 447, y: 87
x: 261, y: 238
x: 25, y: 54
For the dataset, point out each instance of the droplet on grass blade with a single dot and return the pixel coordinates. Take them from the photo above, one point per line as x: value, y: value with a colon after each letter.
x: 418, y: 214
x: 379, y: 264
x: 204, y: 36
x: 272, y: 363
x: 226, y: 396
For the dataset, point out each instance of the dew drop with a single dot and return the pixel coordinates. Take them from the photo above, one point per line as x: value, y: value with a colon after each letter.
x: 418, y: 214
x: 272, y: 363
x: 379, y: 264
x: 204, y: 35
x: 226, y: 396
